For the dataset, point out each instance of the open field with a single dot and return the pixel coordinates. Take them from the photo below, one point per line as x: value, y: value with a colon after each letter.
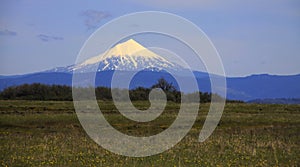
x: 48, y: 133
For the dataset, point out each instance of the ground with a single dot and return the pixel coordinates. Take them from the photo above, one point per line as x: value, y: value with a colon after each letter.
x: 48, y: 133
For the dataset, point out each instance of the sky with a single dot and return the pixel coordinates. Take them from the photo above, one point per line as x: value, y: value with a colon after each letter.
x: 252, y: 37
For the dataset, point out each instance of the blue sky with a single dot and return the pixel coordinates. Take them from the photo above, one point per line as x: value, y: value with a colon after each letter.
x: 252, y: 37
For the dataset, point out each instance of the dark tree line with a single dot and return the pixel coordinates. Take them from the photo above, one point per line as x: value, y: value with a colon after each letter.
x: 39, y: 91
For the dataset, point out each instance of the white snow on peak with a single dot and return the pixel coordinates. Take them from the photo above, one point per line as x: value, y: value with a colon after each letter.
x: 129, y: 47
x: 125, y: 50
x: 129, y: 55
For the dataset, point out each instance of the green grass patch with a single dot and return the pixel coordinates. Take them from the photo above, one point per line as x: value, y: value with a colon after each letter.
x: 48, y: 133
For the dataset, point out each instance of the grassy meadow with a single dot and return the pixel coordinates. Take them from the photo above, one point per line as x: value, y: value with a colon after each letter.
x: 48, y: 133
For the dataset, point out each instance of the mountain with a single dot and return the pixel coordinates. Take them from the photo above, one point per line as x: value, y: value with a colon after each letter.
x: 131, y: 56
x: 126, y: 56
x: 263, y: 86
x: 276, y: 101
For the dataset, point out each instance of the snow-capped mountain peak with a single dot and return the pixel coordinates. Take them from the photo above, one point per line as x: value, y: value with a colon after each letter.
x: 129, y: 47
x: 127, y: 56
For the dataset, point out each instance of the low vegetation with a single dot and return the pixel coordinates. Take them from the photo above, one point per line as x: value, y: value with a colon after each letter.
x: 48, y: 133
x: 37, y: 91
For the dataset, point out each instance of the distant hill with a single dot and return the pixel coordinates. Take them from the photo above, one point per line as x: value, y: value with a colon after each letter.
x: 276, y: 101
x: 264, y: 86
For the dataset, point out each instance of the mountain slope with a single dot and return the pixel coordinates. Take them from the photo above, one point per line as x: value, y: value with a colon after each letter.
x: 264, y: 86
x: 126, y: 56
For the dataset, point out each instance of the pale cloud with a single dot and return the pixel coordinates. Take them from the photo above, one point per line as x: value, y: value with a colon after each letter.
x: 274, y: 7
x: 93, y: 18
x: 48, y: 38
x: 7, y: 32
x: 180, y: 4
